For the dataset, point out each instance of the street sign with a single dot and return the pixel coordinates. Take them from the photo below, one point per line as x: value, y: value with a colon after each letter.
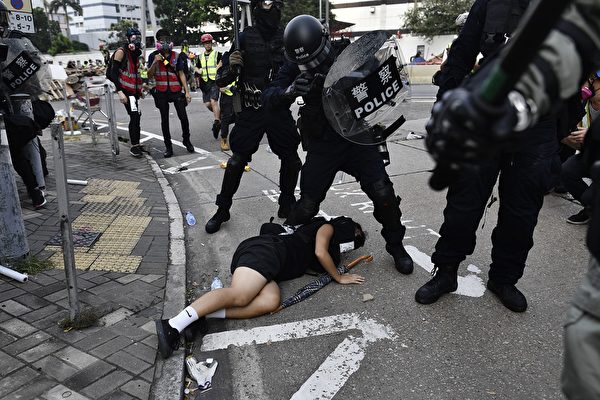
x: 23, y: 6
x: 21, y: 21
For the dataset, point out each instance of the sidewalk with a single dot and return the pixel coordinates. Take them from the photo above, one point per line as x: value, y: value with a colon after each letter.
x: 122, y: 231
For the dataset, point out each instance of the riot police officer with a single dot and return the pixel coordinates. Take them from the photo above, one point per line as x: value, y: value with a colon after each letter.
x: 256, y: 63
x: 576, y: 38
x: 525, y: 174
x: 310, y: 55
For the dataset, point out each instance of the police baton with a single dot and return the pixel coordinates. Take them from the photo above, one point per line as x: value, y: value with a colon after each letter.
x: 514, y: 60
x: 236, y: 29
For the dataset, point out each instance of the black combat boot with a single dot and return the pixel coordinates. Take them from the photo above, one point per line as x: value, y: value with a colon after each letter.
x: 168, y: 337
x: 168, y: 151
x: 188, y: 145
x: 444, y: 281
x: 214, y: 224
x: 402, y: 260
x: 509, y: 295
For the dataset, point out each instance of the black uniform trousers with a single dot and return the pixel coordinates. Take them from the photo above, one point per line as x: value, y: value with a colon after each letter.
x: 244, y: 140
x: 161, y: 101
x: 362, y: 162
x: 134, y: 123
x: 525, y: 177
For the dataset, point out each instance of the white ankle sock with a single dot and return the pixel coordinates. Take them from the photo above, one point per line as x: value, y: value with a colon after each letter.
x: 217, y: 314
x: 184, y: 318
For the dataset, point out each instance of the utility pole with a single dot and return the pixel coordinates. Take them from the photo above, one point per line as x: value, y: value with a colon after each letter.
x: 144, y: 27
x: 320, y: 9
x: 327, y: 14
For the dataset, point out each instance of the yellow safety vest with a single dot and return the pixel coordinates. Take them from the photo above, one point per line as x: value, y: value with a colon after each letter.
x: 227, y: 89
x: 209, y: 66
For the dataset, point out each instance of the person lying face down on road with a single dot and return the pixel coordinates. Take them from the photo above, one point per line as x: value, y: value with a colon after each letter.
x: 258, y: 264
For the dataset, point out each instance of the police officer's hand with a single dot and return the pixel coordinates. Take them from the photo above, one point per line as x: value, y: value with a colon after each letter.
x: 464, y: 130
x: 300, y: 87
x: 236, y: 61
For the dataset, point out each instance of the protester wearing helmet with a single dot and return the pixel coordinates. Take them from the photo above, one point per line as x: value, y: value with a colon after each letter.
x: 310, y: 56
x: 124, y: 73
x: 262, y: 48
x: 208, y: 63
x: 169, y: 71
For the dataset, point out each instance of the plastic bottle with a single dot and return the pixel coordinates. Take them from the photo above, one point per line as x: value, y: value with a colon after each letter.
x: 216, y: 284
x: 189, y: 217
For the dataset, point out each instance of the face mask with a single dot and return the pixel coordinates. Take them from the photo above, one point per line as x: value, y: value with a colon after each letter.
x: 135, y: 43
x: 163, y: 46
x: 268, y: 19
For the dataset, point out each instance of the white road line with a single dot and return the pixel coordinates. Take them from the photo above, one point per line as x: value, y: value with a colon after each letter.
x: 471, y: 285
x: 337, y: 368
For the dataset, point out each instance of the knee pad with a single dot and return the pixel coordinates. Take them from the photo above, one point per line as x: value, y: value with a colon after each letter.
x: 385, y: 203
x: 302, y: 212
x: 237, y: 162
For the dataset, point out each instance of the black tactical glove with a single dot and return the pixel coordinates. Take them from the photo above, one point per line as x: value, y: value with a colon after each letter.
x: 300, y: 87
x: 465, y: 130
x: 236, y: 61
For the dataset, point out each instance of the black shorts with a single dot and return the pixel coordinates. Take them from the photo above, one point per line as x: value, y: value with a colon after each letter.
x: 210, y: 91
x: 265, y: 254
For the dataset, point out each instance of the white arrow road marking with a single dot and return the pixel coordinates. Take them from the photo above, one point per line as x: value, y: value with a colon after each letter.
x: 337, y: 368
x: 470, y: 285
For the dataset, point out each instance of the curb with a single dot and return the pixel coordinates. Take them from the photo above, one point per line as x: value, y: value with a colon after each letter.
x: 169, y: 373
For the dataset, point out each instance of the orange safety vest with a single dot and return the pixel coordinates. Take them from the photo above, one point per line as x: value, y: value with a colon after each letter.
x: 166, y: 78
x: 130, y: 81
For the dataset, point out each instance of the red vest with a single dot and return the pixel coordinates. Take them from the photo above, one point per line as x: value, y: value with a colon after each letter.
x: 166, y: 77
x: 129, y: 80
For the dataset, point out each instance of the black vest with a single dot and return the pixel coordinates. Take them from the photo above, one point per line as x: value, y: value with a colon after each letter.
x: 262, y: 58
x: 501, y: 20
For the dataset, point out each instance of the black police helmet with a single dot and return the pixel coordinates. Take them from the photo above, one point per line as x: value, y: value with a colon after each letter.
x: 306, y: 42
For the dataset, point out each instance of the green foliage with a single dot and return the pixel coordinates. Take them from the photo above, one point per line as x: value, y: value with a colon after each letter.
x: 56, y: 5
x: 44, y: 30
x: 78, y: 46
x: 435, y: 17
x: 298, y: 7
x: 183, y: 18
x: 86, y: 318
x: 60, y: 44
x: 117, y: 36
x: 33, y: 265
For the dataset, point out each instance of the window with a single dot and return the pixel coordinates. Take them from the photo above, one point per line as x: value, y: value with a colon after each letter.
x: 117, y: 8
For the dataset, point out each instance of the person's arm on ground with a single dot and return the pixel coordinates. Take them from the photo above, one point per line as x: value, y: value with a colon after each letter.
x: 114, y: 74
x: 324, y: 235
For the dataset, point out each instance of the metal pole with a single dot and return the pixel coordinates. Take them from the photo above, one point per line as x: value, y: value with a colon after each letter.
x: 144, y: 27
x: 67, y: 106
x: 60, y: 170
x: 327, y: 14
x: 89, y: 111
x: 112, y: 126
x: 321, y: 9
x: 13, y: 240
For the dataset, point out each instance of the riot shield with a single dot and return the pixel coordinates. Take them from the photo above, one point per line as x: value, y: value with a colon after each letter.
x: 365, y: 88
x: 25, y: 70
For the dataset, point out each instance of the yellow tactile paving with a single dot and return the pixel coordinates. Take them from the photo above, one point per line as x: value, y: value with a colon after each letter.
x: 109, y: 262
x: 93, y: 222
x: 82, y: 260
x: 117, y: 211
x: 97, y: 198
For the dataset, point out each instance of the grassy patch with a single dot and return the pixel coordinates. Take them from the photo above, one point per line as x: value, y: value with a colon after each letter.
x: 87, y: 317
x: 32, y: 265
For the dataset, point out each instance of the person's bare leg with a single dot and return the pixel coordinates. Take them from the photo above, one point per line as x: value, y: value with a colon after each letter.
x: 215, y: 109
x: 246, y: 284
x: 265, y: 302
x: 209, y: 106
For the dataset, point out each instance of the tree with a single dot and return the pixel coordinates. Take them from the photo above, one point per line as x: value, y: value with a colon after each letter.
x: 181, y: 17
x: 60, y: 44
x: 117, y: 36
x: 298, y: 7
x: 45, y: 30
x: 435, y: 17
x: 57, y: 4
